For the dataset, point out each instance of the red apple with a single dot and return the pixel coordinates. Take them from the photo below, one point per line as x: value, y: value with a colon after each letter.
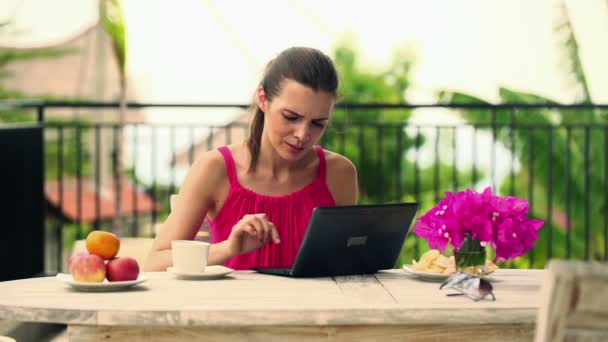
x: 87, y: 268
x: 122, y: 269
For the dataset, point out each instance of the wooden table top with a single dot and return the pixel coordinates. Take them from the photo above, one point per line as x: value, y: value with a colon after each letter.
x: 249, y: 298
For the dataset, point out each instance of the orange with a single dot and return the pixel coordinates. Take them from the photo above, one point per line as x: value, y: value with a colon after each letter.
x: 104, y: 244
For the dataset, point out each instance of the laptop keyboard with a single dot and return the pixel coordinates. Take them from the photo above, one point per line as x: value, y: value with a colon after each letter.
x: 285, y: 271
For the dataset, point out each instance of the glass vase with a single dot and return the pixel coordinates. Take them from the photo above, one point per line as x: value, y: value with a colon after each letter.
x: 471, y: 257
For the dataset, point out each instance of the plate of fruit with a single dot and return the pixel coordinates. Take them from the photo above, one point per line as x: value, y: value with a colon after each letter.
x: 98, y: 268
x: 433, y: 266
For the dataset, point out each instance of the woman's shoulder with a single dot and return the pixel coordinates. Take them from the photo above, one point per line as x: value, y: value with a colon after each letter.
x: 341, y: 178
x: 206, y: 172
x: 210, y: 165
x: 337, y: 163
x: 210, y: 160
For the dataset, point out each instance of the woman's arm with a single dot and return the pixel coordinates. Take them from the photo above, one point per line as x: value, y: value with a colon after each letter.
x: 195, y: 198
x: 342, y: 179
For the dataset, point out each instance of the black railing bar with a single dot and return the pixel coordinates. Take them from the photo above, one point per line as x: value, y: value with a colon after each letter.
x: 134, y: 211
x: 117, y: 179
x: 399, y: 159
x: 474, y: 155
x: 493, y: 151
x: 97, y: 176
x: 153, y: 133
x: 379, y: 163
x: 59, y: 232
x: 39, y: 112
x: 343, y: 105
x: 353, y: 106
x: 550, y: 194
x: 78, y: 132
x: 45, y: 207
x: 475, y: 125
x: 436, y: 179
x: 155, y: 125
x: 361, y: 155
x: 606, y: 194
x: 568, y: 192
x: 96, y: 104
x: 587, y: 195
x: 358, y: 124
x: 531, y: 183
x: 454, y: 160
x: 417, y: 181
x: 173, y: 142
x: 512, y: 146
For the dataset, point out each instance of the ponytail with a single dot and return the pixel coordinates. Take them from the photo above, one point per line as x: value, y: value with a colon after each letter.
x: 255, y: 137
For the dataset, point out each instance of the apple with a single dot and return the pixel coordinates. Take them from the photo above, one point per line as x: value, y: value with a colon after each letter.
x: 87, y: 268
x: 122, y: 269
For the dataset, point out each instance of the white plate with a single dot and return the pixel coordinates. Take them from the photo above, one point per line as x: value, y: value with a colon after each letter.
x: 99, y: 287
x: 428, y: 276
x: 211, y: 272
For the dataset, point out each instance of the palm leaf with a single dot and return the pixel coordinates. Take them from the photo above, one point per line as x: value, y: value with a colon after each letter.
x: 114, y: 23
x: 571, y: 57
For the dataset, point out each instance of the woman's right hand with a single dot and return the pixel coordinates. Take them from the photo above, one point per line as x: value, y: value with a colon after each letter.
x: 250, y: 233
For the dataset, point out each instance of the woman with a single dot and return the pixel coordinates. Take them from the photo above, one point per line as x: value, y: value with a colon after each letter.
x: 258, y: 195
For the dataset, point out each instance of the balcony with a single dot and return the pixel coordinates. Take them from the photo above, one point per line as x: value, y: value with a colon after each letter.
x: 556, y: 156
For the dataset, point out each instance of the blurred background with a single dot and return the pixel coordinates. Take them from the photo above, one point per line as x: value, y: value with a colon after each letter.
x: 104, y: 104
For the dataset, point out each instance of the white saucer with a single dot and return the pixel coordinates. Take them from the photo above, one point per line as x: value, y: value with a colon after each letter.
x: 428, y: 276
x: 106, y: 286
x: 431, y: 276
x: 211, y: 272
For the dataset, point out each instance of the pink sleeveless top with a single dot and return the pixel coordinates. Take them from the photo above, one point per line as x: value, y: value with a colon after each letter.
x: 290, y: 214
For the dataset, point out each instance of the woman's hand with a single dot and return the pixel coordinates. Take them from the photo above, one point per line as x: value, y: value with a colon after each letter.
x: 251, y: 233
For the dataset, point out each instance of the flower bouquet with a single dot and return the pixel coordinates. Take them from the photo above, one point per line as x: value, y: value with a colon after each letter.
x: 470, y: 221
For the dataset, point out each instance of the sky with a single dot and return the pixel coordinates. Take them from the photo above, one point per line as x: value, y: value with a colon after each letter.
x: 215, y: 51
x: 206, y: 51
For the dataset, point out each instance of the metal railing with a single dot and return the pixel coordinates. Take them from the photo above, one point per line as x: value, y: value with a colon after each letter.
x: 556, y: 156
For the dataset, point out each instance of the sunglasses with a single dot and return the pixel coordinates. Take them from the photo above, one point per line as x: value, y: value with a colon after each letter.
x: 469, y: 285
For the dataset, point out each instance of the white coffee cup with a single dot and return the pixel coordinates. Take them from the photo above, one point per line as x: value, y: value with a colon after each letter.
x: 189, y: 256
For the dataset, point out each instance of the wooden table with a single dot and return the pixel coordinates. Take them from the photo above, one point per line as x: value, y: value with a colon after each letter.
x: 390, y: 305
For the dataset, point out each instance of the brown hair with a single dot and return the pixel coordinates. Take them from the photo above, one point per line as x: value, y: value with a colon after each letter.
x: 307, y: 66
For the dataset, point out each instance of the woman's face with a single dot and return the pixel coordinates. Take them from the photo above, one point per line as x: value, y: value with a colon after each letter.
x: 296, y: 118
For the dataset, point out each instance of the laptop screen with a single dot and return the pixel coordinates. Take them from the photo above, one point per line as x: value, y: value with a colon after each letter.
x: 347, y: 240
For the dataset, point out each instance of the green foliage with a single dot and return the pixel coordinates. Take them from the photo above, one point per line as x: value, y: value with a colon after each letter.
x: 13, y: 55
x: 573, y: 67
x: 380, y: 142
x: 563, y: 160
x: 551, y: 146
x: 114, y: 23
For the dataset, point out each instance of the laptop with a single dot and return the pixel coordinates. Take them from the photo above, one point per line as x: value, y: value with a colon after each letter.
x: 350, y: 240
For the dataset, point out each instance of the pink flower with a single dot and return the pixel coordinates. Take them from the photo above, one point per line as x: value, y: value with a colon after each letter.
x: 431, y: 231
x: 498, y: 221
